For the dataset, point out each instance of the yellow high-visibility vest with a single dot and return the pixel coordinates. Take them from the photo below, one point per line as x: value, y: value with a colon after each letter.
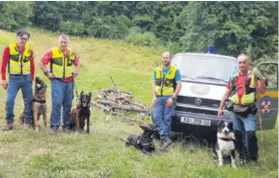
x: 165, y: 84
x: 60, y: 66
x: 19, y: 62
x: 249, y: 95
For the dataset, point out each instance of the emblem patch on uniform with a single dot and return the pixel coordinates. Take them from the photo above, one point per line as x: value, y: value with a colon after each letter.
x: 265, y: 106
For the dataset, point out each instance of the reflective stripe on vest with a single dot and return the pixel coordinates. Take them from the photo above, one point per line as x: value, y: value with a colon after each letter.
x: 165, y: 84
x: 249, y: 95
x: 62, y: 67
x: 19, y: 63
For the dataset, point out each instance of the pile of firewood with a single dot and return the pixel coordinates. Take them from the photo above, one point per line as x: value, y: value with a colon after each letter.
x: 117, y: 101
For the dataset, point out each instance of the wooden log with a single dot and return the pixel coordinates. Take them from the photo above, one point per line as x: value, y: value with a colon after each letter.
x: 119, y: 106
x: 138, y: 105
x: 101, y: 106
x: 130, y: 120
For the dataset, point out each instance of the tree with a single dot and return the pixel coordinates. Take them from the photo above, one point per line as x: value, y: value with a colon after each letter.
x: 232, y: 27
x: 15, y: 15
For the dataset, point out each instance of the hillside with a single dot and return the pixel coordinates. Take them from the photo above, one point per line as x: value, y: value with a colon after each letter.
x: 101, y: 154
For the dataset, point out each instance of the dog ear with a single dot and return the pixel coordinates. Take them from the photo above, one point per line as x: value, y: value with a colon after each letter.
x: 143, y: 127
x: 230, y: 125
x: 220, y: 123
x: 89, y: 99
x: 81, y: 96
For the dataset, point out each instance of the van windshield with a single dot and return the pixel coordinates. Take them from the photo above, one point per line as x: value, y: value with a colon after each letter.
x: 205, y: 66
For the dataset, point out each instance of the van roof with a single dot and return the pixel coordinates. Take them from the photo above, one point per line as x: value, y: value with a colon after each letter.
x: 205, y: 54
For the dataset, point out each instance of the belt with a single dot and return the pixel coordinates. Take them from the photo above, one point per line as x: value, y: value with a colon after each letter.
x: 61, y: 80
x: 18, y: 74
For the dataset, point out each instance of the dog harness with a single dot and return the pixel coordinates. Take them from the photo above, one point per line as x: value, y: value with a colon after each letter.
x: 249, y: 95
x: 226, y: 138
x: 165, y: 84
x: 61, y: 66
x: 19, y: 62
x: 39, y: 96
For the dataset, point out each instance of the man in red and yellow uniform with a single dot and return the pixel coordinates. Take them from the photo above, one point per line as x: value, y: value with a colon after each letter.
x: 64, y: 66
x: 18, y: 58
x: 240, y: 97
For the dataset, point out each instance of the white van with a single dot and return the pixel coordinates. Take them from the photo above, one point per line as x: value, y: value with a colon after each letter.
x: 204, y: 80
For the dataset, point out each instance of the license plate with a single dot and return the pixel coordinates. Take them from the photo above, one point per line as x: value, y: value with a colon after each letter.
x: 195, y: 121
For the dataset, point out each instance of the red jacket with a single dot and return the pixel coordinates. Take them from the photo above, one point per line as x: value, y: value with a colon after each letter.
x: 5, y: 60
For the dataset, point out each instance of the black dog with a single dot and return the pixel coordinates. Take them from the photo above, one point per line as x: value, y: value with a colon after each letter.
x: 144, y: 141
x: 81, y: 113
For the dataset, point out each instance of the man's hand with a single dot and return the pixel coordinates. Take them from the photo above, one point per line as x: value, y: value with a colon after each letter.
x: 258, y: 74
x: 50, y: 75
x: 4, y: 84
x: 220, y: 114
x: 169, y: 102
x: 75, y: 75
x: 154, y: 101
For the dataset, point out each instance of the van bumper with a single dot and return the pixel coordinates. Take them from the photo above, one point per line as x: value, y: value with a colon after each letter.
x: 200, y: 131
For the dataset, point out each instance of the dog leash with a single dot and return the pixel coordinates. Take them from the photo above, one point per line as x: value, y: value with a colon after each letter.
x: 75, y: 88
x: 261, y: 121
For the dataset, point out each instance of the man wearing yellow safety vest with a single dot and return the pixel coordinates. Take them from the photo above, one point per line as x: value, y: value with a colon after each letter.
x: 18, y: 58
x: 166, y: 86
x: 64, y: 66
x: 240, y: 99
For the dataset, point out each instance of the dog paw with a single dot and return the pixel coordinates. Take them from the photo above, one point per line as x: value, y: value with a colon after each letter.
x: 234, y: 166
x: 220, y: 164
x: 37, y: 129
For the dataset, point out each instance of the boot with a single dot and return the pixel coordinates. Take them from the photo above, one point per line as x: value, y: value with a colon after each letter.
x: 239, y: 145
x: 165, y: 144
x: 252, y: 146
x: 8, y: 127
x: 246, y: 147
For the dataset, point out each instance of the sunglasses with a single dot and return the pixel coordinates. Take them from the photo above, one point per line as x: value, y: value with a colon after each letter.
x: 23, y: 39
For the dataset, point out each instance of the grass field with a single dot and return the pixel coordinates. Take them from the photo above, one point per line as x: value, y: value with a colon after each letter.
x: 24, y: 153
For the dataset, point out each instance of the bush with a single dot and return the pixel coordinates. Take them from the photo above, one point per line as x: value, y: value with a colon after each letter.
x: 72, y: 28
x: 136, y: 37
x: 15, y: 15
x: 175, y: 47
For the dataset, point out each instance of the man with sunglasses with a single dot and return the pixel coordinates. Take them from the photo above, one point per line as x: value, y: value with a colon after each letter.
x: 18, y: 58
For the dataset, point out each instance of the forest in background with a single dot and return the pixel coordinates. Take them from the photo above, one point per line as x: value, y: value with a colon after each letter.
x: 231, y: 27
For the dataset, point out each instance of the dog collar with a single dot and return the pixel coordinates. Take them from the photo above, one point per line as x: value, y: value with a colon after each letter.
x: 226, y: 138
x: 41, y: 101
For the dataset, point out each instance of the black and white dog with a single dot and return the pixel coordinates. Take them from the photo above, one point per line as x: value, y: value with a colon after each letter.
x: 225, y: 146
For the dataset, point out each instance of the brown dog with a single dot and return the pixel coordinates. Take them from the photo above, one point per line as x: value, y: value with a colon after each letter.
x: 39, y: 105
